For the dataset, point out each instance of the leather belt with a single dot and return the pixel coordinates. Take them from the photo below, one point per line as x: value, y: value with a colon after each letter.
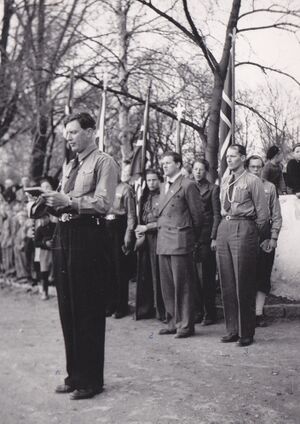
x: 238, y: 218
x: 111, y: 217
x: 68, y: 217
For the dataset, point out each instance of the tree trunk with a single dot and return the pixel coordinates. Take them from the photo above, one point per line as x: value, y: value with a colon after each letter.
x: 124, y: 125
x: 212, y: 147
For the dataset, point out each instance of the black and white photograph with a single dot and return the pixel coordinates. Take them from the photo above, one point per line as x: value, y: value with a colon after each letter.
x: 149, y: 211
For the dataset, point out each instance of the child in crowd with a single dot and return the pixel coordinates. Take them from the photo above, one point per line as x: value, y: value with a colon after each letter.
x: 43, y: 240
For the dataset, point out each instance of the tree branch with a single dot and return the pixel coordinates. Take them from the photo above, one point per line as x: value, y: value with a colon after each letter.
x: 264, y: 69
x: 188, y: 33
x: 207, y: 53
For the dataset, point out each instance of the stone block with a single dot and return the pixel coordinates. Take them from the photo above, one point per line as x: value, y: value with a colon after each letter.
x: 292, y: 310
x: 274, y: 311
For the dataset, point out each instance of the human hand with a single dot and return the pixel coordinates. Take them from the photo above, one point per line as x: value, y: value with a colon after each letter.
x: 128, y: 239
x: 213, y: 245
x: 56, y: 200
x: 140, y: 230
x: 268, y: 245
x: 48, y: 243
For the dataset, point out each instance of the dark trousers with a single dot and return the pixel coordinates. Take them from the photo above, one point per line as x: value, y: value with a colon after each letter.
x: 264, y: 267
x: 237, y: 250
x: 177, y: 284
x: 149, y: 299
x: 120, y: 266
x: 206, y: 282
x: 80, y: 268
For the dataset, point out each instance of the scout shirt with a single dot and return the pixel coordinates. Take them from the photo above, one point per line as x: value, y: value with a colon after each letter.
x: 248, y: 199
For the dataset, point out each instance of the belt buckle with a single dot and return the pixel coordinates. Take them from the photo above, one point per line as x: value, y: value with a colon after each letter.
x: 228, y: 217
x: 66, y: 217
x: 110, y: 217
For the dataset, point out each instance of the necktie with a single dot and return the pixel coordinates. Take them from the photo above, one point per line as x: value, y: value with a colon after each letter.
x: 70, y: 183
x: 229, y: 191
x: 168, y: 185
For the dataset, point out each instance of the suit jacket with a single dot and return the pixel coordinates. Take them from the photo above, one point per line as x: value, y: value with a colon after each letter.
x: 210, y: 194
x: 180, y: 216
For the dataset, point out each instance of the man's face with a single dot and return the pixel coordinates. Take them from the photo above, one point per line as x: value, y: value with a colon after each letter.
x: 170, y: 167
x: 278, y: 158
x: 234, y: 159
x: 199, y: 171
x: 297, y: 153
x: 77, y: 137
x: 255, y: 167
x: 152, y: 182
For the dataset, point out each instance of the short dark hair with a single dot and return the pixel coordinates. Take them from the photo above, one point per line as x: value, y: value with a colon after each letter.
x: 176, y: 156
x: 85, y: 120
x: 295, y: 146
x: 156, y: 172
x: 272, y: 152
x: 239, y: 147
x: 204, y: 162
x: 247, y: 163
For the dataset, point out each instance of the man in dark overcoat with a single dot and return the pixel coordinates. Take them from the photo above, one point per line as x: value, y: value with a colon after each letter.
x: 205, y: 253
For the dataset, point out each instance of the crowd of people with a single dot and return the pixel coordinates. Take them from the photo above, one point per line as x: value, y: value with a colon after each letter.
x: 25, y: 254
x: 174, y: 240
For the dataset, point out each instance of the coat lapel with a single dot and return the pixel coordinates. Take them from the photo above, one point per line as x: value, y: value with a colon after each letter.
x: 165, y: 198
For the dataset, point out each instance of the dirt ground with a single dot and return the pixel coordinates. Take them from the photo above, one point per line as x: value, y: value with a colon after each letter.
x: 149, y: 379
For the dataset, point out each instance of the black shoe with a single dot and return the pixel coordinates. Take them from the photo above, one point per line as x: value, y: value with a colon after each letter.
x: 184, y: 335
x: 64, y: 388
x: 79, y: 394
x: 166, y: 331
x: 245, y: 341
x: 230, y: 338
x: 260, y: 321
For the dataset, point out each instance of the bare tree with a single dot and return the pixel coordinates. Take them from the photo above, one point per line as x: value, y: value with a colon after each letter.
x: 285, y: 19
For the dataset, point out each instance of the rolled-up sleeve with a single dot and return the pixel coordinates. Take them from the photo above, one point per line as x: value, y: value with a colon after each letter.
x: 275, y: 214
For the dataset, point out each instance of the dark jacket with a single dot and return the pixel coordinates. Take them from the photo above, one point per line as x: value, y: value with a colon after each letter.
x: 210, y: 195
x: 180, y: 218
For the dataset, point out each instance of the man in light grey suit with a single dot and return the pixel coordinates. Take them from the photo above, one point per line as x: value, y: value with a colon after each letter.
x: 179, y: 226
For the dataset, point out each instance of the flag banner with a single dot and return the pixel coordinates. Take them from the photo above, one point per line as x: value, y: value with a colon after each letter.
x: 141, y: 150
x: 138, y: 163
x: 100, y: 124
x: 227, y: 112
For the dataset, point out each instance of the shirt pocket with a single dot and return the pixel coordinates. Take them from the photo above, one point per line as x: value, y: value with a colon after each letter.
x: 241, y: 195
x: 88, y: 180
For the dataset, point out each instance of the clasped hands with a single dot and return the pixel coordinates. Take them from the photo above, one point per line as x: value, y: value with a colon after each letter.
x: 140, y: 230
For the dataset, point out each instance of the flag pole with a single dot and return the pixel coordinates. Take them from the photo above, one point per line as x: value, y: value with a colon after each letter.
x: 179, y: 112
x: 101, y: 123
x: 68, y: 110
x: 233, y: 85
x: 146, y: 126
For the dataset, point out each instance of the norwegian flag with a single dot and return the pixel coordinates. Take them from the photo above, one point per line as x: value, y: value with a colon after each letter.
x: 226, y: 130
